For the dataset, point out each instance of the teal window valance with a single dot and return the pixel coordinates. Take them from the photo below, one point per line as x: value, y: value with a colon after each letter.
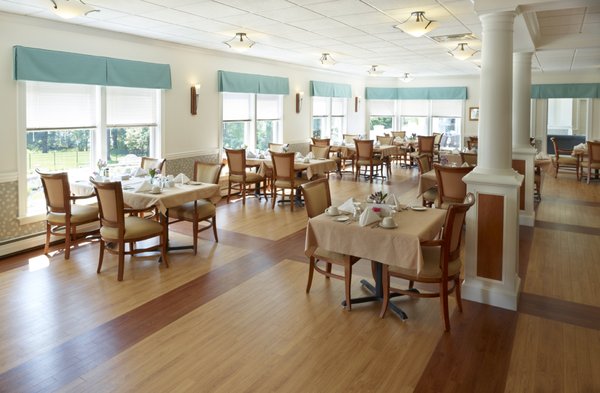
x: 327, y: 89
x: 571, y: 90
x: 416, y: 93
x: 235, y: 82
x: 44, y: 65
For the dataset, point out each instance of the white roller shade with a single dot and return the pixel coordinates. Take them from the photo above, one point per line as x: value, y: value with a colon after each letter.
x: 414, y: 107
x: 338, y: 106
x: 57, y: 105
x: 237, y: 106
x: 381, y: 107
x: 131, y: 106
x: 320, y: 106
x: 268, y: 107
x: 447, y: 108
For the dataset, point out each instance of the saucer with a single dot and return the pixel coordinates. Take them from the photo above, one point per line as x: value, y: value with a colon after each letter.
x: 154, y: 192
x: 418, y: 208
x: 195, y: 183
x: 342, y: 218
x: 333, y: 215
x: 386, y: 227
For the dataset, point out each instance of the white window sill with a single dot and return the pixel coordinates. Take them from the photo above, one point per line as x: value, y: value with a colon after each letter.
x: 31, y: 219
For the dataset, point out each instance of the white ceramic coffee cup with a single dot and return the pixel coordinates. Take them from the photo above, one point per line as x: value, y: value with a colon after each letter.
x: 333, y: 211
x: 388, y: 222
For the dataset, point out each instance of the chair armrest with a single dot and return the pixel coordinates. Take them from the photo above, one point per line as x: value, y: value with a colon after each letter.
x: 77, y: 197
x: 431, y: 243
x: 564, y: 151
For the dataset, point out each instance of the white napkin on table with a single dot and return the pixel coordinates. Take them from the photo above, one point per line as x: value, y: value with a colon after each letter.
x: 250, y: 154
x: 581, y: 146
x: 143, y: 187
x: 465, y: 164
x: 347, y: 206
x: 139, y: 172
x: 310, y: 155
x: 368, y: 217
x: 298, y: 156
x: 181, y: 178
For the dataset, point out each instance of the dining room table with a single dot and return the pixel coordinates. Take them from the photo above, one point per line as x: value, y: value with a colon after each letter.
x: 314, y: 167
x: 167, y: 197
x: 395, y: 246
x: 348, y: 149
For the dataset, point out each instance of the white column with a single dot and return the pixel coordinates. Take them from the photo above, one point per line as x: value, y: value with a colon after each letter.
x: 523, y: 152
x: 492, y: 238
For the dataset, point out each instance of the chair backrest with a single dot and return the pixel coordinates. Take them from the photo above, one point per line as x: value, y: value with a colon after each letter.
x: 469, y: 158
x: 593, y: 151
x: 320, y: 151
x: 317, y: 196
x: 276, y: 147
x: 321, y: 142
x: 283, y: 166
x: 399, y: 134
x: 451, y: 187
x: 207, y: 173
x: 437, y: 139
x: 236, y: 160
x: 349, y: 138
x: 156, y: 163
x: 385, y: 140
x: 364, y: 149
x: 426, y: 144
x: 56, y: 191
x: 110, y: 205
x: 472, y: 142
x: 453, y: 229
x: 424, y: 162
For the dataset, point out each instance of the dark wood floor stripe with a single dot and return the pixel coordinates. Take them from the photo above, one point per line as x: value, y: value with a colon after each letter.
x: 567, y: 228
x: 554, y: 199
x: 560, y: 310
x: 85, y: 352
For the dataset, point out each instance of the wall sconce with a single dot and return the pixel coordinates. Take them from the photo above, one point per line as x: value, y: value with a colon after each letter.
x: 356, y: 102
x: 195, y: 92
x: 299, y: 99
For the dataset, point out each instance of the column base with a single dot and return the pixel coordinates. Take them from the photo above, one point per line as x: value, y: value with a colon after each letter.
x: 526, y: 218
x: 490, y: 292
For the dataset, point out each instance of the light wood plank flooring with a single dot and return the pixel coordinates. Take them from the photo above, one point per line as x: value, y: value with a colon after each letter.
x: 236, y: 318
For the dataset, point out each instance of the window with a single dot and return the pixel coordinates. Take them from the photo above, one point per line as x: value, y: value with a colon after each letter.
x: 63, y: 132
x: 329, y: 117
x: 253, y: 120
x: 447, y: 119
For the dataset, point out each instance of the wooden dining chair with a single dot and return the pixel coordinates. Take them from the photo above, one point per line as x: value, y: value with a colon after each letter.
x: 118, y: 229
x: 472, y: 142
x: 593, y: 159
x: 202, y: 210
x: 284, y: 177
x: 239, y: 177
x: 437, y: 145
x: 321, y: 141
x: 366, y: 158
x: 451, y: 188
x: 563, y: 159
x: 441, y: 264
x: 317, y: 198
x: 469, y: 157
x: 349, y: 138
x: 278, y: 147
x: 63, y: 216
x: 153, y: 163
x: 429, y: 196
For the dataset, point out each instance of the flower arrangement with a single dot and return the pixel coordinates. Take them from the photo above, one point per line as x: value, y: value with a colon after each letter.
x: 378, y: 197
x: 153, y: 172
x: 101, y: 164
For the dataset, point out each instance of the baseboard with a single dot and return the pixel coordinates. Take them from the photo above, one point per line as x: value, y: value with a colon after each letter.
x: 22, y: 245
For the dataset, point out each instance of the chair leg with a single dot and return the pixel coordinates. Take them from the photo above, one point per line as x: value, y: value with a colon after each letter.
x: 214, y: 225
x: 243, y: 193
x: 48, y: 230
x: 457, y: 293
x: 101, y: 255
x: 385, y: 278
x: 291, y: 198
x: 273, y: 195
x: 444, y: 304
x: 348, y: 282
x: 371, y: 172
x: 228, y: 191
x: 357, y: 172
x: 195, y: 236
x: 311, y: 270
x: 121, y: 268
x: 163, y: 250
x: 67, y: 241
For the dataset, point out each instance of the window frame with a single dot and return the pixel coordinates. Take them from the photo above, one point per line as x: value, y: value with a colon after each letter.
x: 329, y: 118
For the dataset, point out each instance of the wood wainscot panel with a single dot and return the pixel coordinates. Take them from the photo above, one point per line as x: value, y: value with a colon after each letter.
x: 519, y: 166
x: 490, y: 229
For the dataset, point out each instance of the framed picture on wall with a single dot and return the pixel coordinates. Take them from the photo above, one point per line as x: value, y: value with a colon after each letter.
x: 474, y: 113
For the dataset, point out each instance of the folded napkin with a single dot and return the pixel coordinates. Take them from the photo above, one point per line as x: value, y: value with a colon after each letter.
x: 465, y: 164
x: 541, y: 156
x: 347, y: 206
x: 298, y: 156
x: 138, y: 172
x: 581, y: 146
x: 250, y: 154
x: 261, y: 156
x: 392, y: 200
x: 310, y: 155
x: 368, y: 217
x: 181, y: 179
x: 143, y: 187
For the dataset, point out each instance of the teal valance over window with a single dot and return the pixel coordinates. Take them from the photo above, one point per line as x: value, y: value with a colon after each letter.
x: 235, y: 82
x: 571, y: 90
x: 416, y: 93
x: 44, y: 65
x: 327, y: 89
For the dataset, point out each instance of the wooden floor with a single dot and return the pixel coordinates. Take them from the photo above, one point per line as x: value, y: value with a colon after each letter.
x: 236, y: 318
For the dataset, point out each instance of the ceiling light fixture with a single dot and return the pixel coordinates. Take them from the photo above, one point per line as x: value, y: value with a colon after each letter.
x: 462, y: 51
x: 406, y: 78
x: 240, y: 42
x: 374, y: 71
x: 327, y: 60
x: 68, y: 9
x: 419, y: 26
